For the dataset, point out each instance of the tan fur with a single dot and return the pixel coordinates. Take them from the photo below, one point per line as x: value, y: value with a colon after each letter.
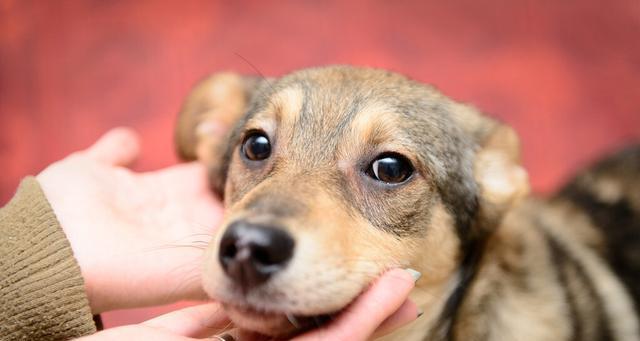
x: 518, y: 289
x: 618, y: 304
x: 501, y: 302
x: 583, y: 230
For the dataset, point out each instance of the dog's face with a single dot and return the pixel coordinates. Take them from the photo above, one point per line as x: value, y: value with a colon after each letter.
x: 334, y: 175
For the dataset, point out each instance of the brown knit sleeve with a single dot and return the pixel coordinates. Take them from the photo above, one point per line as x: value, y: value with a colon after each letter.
x: 42, y: 294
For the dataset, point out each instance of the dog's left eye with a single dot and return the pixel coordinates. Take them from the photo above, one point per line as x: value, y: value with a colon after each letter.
x: 390, y: 168
x: 256, y: 146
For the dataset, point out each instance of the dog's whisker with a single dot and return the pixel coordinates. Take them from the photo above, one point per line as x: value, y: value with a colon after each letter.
x: 292, y: 319
x: 175, y: 246
x: 256, y: 70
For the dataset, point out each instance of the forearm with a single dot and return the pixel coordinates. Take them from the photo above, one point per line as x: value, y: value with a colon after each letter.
x: 42, y: 294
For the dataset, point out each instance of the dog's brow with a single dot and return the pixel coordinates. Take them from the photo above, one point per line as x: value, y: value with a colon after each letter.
x: 287, y: 103
x: 304, y: 114
x: 376, y: 124
x: 279, y: 109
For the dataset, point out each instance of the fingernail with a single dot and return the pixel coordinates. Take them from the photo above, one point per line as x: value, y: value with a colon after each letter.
x: 420, y: 312
x: 224, y: 337
x: 415, y: 274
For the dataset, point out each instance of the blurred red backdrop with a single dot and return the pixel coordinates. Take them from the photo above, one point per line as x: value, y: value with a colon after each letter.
x: 565, y: 74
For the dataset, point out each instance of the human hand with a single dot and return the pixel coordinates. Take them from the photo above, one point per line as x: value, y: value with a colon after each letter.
x: 180, y: 325
x: 138, y: 237
x: 381, y: 309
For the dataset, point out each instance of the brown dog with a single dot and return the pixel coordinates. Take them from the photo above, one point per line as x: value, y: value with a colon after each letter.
x: 332, y: 175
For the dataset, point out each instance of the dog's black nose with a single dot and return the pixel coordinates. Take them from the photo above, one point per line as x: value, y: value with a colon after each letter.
x: 250, y: 253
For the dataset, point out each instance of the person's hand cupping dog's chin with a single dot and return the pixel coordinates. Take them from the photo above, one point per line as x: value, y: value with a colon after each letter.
x: 139, y: 238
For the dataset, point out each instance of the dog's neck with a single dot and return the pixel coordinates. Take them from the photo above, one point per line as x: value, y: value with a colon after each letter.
x: 513, y: 292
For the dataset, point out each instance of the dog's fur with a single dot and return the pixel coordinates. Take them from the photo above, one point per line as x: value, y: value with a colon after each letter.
x: 496, y: 263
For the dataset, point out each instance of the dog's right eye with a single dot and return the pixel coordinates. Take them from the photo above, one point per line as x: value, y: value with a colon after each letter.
x: 390, y: 168
x: 256, y: 146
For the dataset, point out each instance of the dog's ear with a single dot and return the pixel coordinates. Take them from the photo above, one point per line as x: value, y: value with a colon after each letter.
x: 207, y: 117
x: 498, y: 171
x: 209, y: 112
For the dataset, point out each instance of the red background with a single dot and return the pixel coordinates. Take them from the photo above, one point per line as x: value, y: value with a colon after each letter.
x: 565, y: 74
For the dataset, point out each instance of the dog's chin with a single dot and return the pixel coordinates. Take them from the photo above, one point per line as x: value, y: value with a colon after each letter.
x: 273, y: 324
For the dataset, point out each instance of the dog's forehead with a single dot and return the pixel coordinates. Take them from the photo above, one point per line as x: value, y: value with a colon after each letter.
x: 338, y: 91
x: 324, y: 110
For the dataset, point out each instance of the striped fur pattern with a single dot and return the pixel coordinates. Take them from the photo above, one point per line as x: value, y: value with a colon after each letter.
x: 497, y: 263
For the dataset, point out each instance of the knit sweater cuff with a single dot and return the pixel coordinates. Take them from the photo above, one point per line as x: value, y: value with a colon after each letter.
x: 42, y: 294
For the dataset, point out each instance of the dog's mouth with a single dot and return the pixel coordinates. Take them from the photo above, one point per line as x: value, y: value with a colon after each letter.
x: 274, y: 323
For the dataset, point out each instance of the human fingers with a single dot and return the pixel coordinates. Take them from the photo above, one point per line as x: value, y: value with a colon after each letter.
x: 186, y: 178
x: 407, y: 312
x: 196, y: 321
x: 186, y: 187
x: 361, y: 319
x: 134, y: 332
x: 117, y: 147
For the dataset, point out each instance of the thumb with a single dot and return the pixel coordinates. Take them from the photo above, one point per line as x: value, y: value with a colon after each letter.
x: 360, y: 320
x: 118, y: 147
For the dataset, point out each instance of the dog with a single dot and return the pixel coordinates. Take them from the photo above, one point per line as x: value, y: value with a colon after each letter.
x: 332, y: 175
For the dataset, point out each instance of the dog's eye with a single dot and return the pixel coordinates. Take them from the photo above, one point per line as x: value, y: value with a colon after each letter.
x: 390, y: 168
x: 256, y: 146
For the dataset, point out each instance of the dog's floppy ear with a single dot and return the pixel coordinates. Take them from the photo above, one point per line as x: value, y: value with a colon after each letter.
x: 207, y: 116
x: 498, y: 171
